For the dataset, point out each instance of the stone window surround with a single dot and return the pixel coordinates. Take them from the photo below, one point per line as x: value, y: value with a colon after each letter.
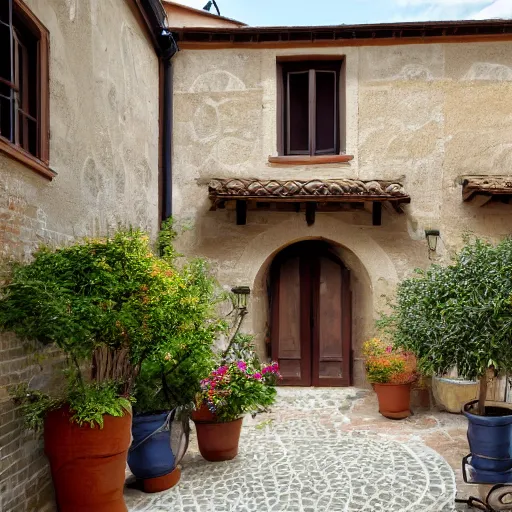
x: 38, y: 164
x: 285, y: 159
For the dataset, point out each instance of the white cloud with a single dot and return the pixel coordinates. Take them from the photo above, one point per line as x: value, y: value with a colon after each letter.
x: 498, y: 9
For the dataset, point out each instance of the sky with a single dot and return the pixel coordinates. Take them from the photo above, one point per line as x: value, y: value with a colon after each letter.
x: 337, y: 12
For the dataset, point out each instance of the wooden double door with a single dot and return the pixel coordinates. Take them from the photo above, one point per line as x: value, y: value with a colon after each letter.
x: 311, y: 316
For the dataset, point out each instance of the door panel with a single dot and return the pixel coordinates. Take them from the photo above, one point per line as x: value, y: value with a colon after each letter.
x: 311, y: 317
x: 328, y: 336
x: 291, y: 345
x: 289, y: 310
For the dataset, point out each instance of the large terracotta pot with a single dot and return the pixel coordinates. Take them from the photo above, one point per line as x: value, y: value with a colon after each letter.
x: 87, y: 464
x: 217, y: 440
x: 394, y: 400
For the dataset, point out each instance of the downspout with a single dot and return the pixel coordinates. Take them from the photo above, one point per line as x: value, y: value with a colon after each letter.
x: 169, y: 48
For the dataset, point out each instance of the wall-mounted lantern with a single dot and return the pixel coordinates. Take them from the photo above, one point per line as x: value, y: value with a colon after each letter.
x: 432, y: 236
x: 241, y: 294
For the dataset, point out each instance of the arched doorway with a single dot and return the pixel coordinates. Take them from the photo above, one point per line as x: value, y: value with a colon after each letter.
x: 311, y: 317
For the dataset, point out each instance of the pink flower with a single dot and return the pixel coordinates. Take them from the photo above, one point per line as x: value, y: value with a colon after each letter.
x: 222, y: 370
x: 242, y: 366
x: 389, y: 349
x: 257, y: 376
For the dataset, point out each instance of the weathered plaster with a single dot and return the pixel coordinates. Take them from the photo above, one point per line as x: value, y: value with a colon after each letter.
x: 103, y: 122
x: 104, y: 147
x: 425, y: 114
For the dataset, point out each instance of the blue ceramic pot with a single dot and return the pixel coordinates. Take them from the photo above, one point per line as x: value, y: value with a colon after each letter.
x: 150, y: 455
x: 490, y: 437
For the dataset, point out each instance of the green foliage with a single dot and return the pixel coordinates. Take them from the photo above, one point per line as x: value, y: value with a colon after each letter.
x: 117, y: 311
x: 88, y: 403
x: 459, y: 315
x: 165, y: 242
x: 34, y: 405
x: 170, y: 377
x: 110, y: 292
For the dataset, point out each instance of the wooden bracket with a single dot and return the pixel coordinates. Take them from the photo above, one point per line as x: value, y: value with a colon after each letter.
x: 310, y: 213
x: 377, y: 214
x: 241, y: 212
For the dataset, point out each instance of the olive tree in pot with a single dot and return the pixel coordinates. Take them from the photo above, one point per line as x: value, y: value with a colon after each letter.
x: 169, y: 379
x: 461, y: 316
x: 102, y: 302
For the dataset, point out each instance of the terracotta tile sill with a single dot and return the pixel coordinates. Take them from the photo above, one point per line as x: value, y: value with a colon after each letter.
x: 309, y: 160
x: 26, y: 159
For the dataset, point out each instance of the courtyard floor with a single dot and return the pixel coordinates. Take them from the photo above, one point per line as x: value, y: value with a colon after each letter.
x: 326, y: 449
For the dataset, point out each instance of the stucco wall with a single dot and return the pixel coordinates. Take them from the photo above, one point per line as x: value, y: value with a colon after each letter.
x: 183, y: 16
x: 104, y: 147
x: 425, y: 114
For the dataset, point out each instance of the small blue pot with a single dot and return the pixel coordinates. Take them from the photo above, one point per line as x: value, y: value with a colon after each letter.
x: 150, y: 455
x: 490, y: 438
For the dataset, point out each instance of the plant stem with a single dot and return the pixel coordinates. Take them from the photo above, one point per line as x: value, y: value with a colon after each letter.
x: 242, y: 314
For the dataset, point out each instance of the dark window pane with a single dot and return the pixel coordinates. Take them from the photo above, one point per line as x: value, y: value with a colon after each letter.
x: 5, y: 115
x: 326, y: 112
x: 5, y: 52
x: 298, y: 112
x: 4, y: 11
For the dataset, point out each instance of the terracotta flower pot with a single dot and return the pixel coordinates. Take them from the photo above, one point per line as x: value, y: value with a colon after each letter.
x: 87, y: 464
x: 217, y: 440
x: 394, y: 400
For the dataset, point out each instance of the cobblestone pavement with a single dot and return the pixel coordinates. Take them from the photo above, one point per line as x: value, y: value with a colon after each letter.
x: 325, y: 449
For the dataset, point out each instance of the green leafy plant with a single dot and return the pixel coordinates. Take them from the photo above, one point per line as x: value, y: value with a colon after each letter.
x: 238, y: 387
x: 109, y: 304
x: 459, y: 315
x: 170, y: 377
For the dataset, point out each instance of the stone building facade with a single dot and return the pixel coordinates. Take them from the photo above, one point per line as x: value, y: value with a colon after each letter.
x: 419, y: 106
x: 101, y: 170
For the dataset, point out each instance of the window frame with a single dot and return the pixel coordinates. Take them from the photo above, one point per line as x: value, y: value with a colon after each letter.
x: 39, y: 162
x: 312, y: 65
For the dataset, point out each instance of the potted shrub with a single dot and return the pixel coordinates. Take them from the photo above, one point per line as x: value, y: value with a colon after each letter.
x: 391, y: 372
x: 104, y: 303
x: 233, y: 389
x: 460, y: 316
x: 168, y: 381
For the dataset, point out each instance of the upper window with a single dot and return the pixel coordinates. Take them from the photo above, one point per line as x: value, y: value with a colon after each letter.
x: 310, y: 92
x: 23, y: 81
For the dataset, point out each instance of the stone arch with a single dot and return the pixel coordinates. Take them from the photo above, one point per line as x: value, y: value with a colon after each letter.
x: 373, y: 268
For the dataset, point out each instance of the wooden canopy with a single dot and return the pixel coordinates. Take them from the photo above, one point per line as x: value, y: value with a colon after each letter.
x: 488, y: 187
x: 311, y: 192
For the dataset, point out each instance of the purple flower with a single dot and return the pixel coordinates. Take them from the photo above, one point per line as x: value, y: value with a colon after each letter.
x: 242, y: 366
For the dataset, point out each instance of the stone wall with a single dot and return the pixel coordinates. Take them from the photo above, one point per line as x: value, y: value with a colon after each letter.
x: 104, y: 147
x: 424, y: 114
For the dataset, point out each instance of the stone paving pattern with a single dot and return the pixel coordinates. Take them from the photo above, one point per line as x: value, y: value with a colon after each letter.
x: 325, y: 449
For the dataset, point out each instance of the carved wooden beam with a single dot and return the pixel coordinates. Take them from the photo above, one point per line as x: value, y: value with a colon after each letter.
x: 488, y: 186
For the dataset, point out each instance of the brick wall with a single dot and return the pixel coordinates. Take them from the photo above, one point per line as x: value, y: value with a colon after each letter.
x: 25, y: 482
